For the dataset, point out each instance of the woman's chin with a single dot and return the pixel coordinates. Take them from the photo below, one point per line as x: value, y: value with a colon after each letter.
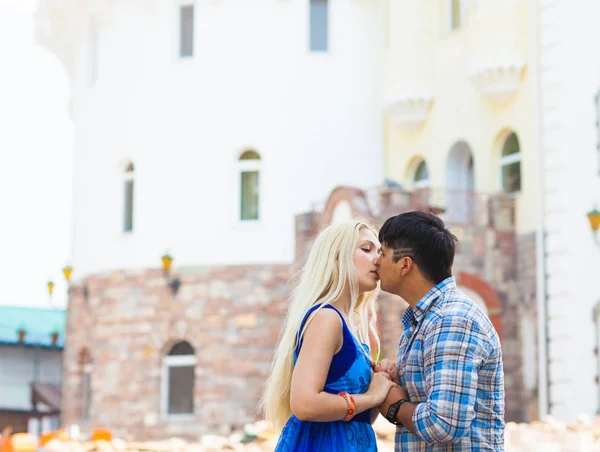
x: 368, y: 286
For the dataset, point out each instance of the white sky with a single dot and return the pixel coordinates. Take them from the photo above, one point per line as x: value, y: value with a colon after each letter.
x: 35, y: 163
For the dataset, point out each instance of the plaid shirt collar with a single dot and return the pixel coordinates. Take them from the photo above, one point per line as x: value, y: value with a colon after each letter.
x: 414, y: 316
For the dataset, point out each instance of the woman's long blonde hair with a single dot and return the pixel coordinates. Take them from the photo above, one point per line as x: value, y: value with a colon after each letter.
x: 329, y: 267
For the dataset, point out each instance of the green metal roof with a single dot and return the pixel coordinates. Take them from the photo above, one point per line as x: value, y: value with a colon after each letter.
x: 38, y: 324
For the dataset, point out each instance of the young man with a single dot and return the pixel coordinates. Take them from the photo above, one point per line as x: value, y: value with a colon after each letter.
x: 451, y: 394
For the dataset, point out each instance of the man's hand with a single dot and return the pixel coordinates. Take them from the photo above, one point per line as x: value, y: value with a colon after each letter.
x: 396, y: 393
x: 385, y: 365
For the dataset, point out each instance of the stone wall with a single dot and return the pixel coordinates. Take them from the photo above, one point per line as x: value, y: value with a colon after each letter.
x: 126, y: 321
x: 129, y: 320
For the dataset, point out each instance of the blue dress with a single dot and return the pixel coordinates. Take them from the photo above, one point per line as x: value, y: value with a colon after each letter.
x: 350, y: 371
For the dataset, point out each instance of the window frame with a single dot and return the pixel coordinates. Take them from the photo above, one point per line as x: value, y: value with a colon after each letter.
x: 168, y: 362
x: 510, y: 159
x: 180, y: 4
x: 450, y: 15
x: 247, y: 166
x: 424, y: 183
x: 92, y: 52
x: 597, y: 108
x: 327, y: 49
x: 128, y: 178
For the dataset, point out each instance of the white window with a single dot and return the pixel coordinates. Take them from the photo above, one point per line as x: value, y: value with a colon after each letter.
x: 92, y: 53
x: 87, y: 367
x: 456, y: 14
x: 249, y: 171
x: 510, y: 165
x: 319, y: 25
x: 128, y: 198
x: 597, y: 102
x: 421, y: 176
x: 186, y: 29
x: 178, y: 378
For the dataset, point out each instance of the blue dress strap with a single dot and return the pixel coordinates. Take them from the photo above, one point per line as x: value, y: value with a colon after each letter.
x: 343, y: 360
x: 306, y: 316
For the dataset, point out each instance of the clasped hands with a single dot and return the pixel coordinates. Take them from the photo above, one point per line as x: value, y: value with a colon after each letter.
x: 389, y: 370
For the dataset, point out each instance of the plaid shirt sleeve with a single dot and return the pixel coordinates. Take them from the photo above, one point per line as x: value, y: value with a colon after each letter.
x: 453, y: 352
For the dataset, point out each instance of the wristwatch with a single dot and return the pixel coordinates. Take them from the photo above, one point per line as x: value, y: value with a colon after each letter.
x: 392, y: 412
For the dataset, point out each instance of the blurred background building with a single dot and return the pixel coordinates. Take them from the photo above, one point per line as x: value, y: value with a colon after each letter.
x: 31, y: 349
x: 215, y: 138
x: 201, y: 129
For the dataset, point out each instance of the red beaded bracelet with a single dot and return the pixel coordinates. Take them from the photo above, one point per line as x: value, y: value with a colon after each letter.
x: 350, y: 403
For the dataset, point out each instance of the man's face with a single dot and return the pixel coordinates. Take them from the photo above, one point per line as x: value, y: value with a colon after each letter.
x: 389, y: 272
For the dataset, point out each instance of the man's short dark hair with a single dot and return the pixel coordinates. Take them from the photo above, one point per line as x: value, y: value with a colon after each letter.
x: 425, y: 239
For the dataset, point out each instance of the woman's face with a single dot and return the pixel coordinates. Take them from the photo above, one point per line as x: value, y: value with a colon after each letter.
x: 365, y: 261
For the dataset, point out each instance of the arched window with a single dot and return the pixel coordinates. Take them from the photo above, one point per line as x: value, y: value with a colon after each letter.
x: 421, y: 176
x: 249, y: 168
x: 87, y: 367
x: 510, y: 165
x: 178, y: 380
x: 128, y: 201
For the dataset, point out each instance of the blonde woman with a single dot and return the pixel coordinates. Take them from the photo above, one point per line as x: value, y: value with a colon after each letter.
x: 322, y: 389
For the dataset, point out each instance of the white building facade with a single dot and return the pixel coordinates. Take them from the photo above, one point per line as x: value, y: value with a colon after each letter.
x: 202, y: 128
x: 569, y: 83
x: 177, y: 91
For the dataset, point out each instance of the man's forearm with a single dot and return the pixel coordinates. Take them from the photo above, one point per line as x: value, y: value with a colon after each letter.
x: 405, y: 415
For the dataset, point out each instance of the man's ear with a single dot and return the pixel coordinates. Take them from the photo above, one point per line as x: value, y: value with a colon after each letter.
x: 406, y: 264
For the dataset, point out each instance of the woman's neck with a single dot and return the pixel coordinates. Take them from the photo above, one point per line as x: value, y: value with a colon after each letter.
x: 343, y: 302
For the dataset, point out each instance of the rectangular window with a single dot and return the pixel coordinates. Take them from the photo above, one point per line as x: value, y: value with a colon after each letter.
x: 128, y: 223
x: 319, y: 25
x: 92, y: 53
x: 249, y: 195
x: 597, y: 101
x: 186, y: 31
x: 455, y: 14
x: 181, y: 390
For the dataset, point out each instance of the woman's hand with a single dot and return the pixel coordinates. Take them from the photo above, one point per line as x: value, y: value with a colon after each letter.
x: 381, y: 384
x: 385, y: 365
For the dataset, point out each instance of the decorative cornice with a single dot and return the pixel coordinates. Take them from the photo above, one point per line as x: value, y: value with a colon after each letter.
x: 409, y: 111
x: 498, y: 82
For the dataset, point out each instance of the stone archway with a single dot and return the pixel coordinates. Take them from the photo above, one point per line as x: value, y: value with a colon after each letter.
x: 345, y: 203
x: 487, y: 293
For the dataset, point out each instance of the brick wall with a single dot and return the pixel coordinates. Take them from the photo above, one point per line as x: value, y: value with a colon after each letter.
x: 128, y: 322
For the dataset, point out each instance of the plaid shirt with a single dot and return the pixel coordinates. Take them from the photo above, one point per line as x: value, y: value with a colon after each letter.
x: 450, y: 362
